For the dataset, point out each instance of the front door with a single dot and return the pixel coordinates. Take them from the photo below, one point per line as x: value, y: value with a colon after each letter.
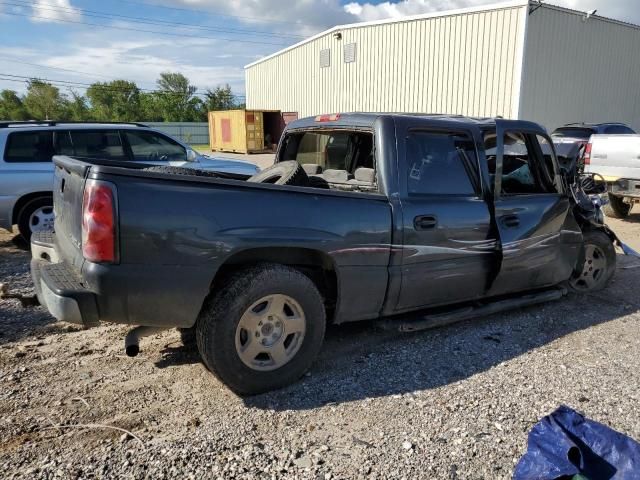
x: 448, y: 246
x: 540, y: 239
x: 155, y: 149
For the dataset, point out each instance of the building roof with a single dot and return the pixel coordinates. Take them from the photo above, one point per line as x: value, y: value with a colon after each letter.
x: 445, y: 13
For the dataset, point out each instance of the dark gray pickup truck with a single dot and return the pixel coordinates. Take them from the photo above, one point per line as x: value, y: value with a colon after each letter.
x: 364, y: 216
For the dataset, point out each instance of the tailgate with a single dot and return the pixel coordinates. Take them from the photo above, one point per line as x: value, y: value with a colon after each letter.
x: 68, y: 188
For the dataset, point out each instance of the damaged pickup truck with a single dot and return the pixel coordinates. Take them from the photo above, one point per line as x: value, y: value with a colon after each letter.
x: 420, y: 220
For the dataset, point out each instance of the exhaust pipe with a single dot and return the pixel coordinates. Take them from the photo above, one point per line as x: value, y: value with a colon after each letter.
x: 132, y: 340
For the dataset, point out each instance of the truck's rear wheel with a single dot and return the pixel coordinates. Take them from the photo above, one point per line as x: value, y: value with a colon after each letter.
x: 599, y: 265
x: 263, y: 330
x: 617, y: 208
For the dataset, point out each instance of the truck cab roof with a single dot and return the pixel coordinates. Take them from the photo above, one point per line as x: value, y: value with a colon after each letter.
x: 368, y: 120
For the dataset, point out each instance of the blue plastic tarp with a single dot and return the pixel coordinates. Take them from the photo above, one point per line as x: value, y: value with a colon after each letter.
x: 566, y: 444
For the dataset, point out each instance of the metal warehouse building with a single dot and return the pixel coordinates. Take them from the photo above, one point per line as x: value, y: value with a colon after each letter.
x: 519, y: 59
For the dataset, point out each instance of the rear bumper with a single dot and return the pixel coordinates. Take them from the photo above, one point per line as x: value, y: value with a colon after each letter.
x: 58, y: 287
x: 166, y: 296
x: 625, y: 188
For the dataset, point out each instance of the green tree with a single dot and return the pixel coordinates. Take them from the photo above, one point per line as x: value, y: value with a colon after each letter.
x: 220, y: 98
x: 176, y: 98
x: 12, y: 107
x: 78, y: 108
x: 116, y: 101
x: 150, y: 108
x: 44, y: 101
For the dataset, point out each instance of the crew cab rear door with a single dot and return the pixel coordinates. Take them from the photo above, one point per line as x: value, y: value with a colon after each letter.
x: 539, y: 238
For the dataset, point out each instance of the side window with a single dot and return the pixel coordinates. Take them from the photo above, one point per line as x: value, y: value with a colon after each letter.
x: 518, y: 164
x: 440, y: 164
x: 36, y: 146
x: 151, y: 147
x: 104, y: 144
x: 62, y: 143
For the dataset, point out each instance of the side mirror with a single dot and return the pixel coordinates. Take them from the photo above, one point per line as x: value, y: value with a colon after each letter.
x: 192, y: 156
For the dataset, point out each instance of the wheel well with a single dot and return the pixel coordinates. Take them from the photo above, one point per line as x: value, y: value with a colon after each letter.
x: 22, y: 201
x: 316, y: 265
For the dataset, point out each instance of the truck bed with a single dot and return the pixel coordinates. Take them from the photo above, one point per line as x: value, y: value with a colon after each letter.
x: 175, y: 233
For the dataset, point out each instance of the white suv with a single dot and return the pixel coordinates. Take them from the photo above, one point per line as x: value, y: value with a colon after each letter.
x: 26, y: 169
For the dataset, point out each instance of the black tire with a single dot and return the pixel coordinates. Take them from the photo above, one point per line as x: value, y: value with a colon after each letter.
x: 616, y: 208
x: 218, y: 321
x: 24, y: 215
x: 180, y: 171
x: 283, y: 173
x: 596, y: 279
x: 188, y: 336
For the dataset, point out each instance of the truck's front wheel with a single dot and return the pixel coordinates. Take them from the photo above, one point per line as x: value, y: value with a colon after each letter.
x: 617, y: 208
x: 599, y: 263
x: 263, y: 329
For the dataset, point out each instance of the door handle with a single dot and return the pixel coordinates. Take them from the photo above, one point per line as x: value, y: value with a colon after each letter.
x: 511, y: 221
x: 425, y: 222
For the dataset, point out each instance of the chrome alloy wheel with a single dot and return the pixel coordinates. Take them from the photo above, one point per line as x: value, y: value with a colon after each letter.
x: 42, y: 220
x: 270, y: 332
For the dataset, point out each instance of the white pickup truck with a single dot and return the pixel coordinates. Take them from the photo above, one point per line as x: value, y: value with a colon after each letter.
x: 617, y: 159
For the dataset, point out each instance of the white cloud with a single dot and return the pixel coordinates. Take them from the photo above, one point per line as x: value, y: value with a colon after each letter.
x: 307, y: 17
x: 53, y: 10
x: 304, y: 17
x: 365, y: 11
x: 368, y: 11
x: 140, y: 58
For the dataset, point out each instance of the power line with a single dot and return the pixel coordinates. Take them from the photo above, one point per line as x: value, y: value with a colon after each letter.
x: 209, y: 13
x: 147, y: 20
x: 22, y: 62
x: 182, y: 35
x: 84, y: 86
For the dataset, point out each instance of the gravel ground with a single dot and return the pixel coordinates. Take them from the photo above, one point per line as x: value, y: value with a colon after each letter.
x: 456, y: 402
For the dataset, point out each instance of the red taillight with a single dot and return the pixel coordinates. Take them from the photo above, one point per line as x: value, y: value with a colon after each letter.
x: 587, y: 153
x: 98, y: 223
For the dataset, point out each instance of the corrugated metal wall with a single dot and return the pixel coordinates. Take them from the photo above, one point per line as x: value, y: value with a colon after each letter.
x: 464, y: 64
x: 579, y: 70
x: 193, y: 133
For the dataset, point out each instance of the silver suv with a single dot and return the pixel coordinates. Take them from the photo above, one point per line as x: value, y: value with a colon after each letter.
x: 26, y: 170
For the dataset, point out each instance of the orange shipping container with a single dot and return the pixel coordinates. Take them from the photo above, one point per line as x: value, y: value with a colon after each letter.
x: 247, y: 131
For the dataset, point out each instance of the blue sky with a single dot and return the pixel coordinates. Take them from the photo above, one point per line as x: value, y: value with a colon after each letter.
x: 83, y: 41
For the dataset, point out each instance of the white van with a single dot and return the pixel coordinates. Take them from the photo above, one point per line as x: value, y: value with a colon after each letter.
x: 617, y: 159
